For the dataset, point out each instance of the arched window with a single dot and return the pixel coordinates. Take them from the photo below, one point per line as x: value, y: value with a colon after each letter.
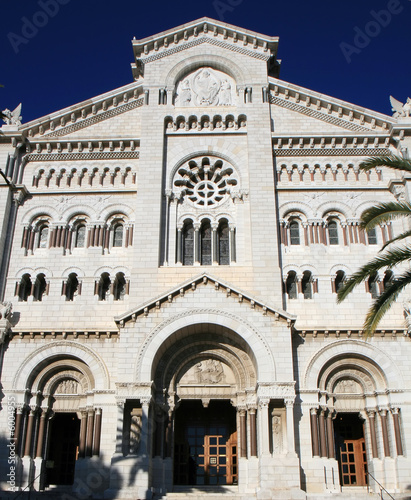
x: 388, y: 279
x: 223, y: 244
x: 80, y: 237
x: 294, y: 233
x: 40, y: 287
x: 103, y: 288
x: 333, y: 233
x: 24, y: 288
x: 306, y: 285
x: 43, y: 236
x: 118, y: 235
x: 72, y: 287
x: 291, y: 285
x: 339, y: 280
x: 188, y: 244
x: 372, y: 236
x: 119, y: 289
x: 206, y: 247
x: 372, y: 284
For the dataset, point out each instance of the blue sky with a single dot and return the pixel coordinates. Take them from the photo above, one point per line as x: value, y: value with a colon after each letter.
x: 358, y: 51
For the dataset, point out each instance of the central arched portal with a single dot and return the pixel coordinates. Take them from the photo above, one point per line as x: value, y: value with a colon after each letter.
x: 205, y: 377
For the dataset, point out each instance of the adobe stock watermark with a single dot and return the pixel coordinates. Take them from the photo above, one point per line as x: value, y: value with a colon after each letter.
x: 362, y: 37
x: 11, y: 445
x: 221, y: 7
x: 30, y: 27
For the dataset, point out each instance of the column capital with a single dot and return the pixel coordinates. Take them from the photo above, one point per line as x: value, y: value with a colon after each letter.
x: 313, y: 411
x: 395, y: 411
x: 263, y: 403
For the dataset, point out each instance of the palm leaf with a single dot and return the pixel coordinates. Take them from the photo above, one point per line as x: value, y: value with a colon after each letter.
x: 397, y: 238
x: 389, y: 259
x: 384, y: 212
x: 392, y: 161
x: 382, y: 303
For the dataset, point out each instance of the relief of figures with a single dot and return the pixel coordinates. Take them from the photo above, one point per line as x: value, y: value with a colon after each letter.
x: 210, y: 371
x: 205, y: 87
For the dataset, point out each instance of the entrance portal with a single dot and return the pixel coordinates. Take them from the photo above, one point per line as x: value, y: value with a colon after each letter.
x: 205, y: 449
x: 350, y: 449
x: 63, y: 449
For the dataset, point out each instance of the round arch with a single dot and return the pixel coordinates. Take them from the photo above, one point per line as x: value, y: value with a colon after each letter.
x: 205, y: 321
x: 62, y: 349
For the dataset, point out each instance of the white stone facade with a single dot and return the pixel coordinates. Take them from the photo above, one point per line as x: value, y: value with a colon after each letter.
x: 171, y: 251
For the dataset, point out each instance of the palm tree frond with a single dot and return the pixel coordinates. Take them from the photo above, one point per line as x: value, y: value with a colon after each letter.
x: 392, y: 161
x: 384, y: 212
x: 397, y: 238
x: 382, y: 303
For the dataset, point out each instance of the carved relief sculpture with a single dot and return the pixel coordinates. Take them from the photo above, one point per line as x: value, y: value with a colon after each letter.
x: 277, y: 434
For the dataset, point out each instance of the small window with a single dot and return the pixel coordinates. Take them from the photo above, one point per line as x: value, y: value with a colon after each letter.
x: 306, y: 285
x: 333, y: 233
x: 294, y: 233
x: 223, y: 244
x: 43, y: 236
x: 104, y: 287
x: 40, y: 287
x: 206, y: 248
x: 72, y: 287
x: 118, y: 235
x: 24, y: 288
x: 291, y: 285
x: 80, y: 240
x: 372, y: 236
x: 373, y: 285
x: 188, y: 244
x: 339, y: 280
x: 119, y: 287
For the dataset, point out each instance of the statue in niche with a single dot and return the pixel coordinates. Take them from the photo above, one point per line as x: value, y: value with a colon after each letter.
x: 277, y: 434
x: 225, y: 93
x: 210, y: 372
x: 206, y: 87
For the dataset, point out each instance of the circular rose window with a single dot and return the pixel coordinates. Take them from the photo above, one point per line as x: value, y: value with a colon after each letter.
x: 206, y: 182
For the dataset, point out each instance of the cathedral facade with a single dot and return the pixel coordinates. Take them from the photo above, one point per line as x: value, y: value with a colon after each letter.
x: 171, y: 252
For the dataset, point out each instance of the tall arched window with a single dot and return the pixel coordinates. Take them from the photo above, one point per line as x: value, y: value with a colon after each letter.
x: 72, y: 286
x: 118, y: 235
x: 24, y: 288
x: 223, y: 244
x: 373, y: 287
x: 80, y: 238
x: 119, y: 289
x: 294, y: 233
x: 306, y: 285
x: 103, y: 289
x: 40, y: 287
x: 188, y: 244
x: 43, y: 236
x: 206, y: 247
x: 291, y: 285
x: 339, y: 280
x: 333, y: 232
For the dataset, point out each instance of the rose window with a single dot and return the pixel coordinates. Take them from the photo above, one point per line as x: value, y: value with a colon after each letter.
x: 205, y: 183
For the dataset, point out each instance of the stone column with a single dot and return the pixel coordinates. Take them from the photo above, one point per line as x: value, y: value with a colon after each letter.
x: 314, y: 432
x: 264, y: 427
x: 323, y: 443
x: 197, y: 243
x: 253, y: 432
x: 289, y: 407
x: 243, y: 433
x: 83, y: 434
x: 383, y: 415
x: 120, y: 426
x: 19, y: 421
x: 179, y: 244
x: 166, y: 228
x: 330, y: 435
x: 41, y: 434
x: 233, y: 253
x: 397, y: 431
x: 97, y: 433
x: 169, y: 434
x: 214, y: 237
x: 29, y: 433
x: 144, y: 444
x: 90, y: 432
x: 371, y: 420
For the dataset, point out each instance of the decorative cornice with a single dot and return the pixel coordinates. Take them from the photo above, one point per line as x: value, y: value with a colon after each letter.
x: 64, y: 335
x: 114, y: 155
x: 332, y: 152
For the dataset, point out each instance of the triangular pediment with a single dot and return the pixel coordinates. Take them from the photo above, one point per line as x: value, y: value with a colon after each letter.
x: 204, y: 30
x: 230, y: 293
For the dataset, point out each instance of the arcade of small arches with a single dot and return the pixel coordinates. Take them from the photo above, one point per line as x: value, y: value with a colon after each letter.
x: 106, y: 287
x: 78, y: 232
x: 206, y: 123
